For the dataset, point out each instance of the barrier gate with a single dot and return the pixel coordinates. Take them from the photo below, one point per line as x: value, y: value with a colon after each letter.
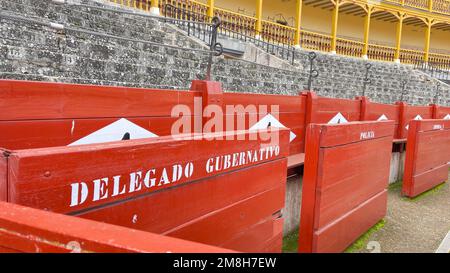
x: 31, y: 230
x: 427, y: 156
x: 229, y: 194
x: 344, y: 184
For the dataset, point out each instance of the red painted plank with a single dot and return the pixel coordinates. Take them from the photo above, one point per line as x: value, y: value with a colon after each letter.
x: 24, y: 100
x: 372, y: 111
x: 441, y: 112
x: 46, y: 178
x: 309, y: 186
x: 286, y: 104
x: 410, y: 113
x: 344, y: 184
x: 32, y: 134
x: 253, y: 238
x: 322, y: 110
x: 334, y: 135
x: 30, y: 230
x: 427, y: 180
x: 343, y: 232
x: 220, y: 226
x: 3, y: 176
x: 177, y: 206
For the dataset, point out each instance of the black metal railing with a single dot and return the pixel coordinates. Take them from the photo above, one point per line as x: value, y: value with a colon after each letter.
x: 435, y: 69
x: 193, y: 23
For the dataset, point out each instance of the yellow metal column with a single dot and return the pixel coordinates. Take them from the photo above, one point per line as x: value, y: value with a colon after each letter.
x: 430, y: 5
x: 366, y: 32
x: 258, y: 27
x: 154, y: 7
x: 334, y: 24
x: 427, y: 42
x: 298, y: 22
x: 398, y: 39
x: 210, y: 9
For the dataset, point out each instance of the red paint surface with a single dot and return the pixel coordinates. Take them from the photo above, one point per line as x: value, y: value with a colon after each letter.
x: 344, y: 184
x: 372, y: 111
x: 427, y: 155
x: 408, y: 113
x: 244, y: 195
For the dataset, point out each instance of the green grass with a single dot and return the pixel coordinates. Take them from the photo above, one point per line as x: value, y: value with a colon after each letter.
x: 290, y: 242
x: 395, y: 186
x: 432, y: 191
x: 361, y: 242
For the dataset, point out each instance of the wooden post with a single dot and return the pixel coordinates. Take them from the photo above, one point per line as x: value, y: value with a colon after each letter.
x: 334, y: 25
x: 210, y: 9
x: 398, y: 39
x: 366, y: 32
x: 298, y: 22
x: 258, y: 27
x: 427, y: 42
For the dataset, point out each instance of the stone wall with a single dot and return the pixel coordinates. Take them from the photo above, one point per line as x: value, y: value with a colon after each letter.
x: 35, y: 52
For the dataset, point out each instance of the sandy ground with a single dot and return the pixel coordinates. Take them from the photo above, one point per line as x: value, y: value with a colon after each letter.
x: 417, y: 225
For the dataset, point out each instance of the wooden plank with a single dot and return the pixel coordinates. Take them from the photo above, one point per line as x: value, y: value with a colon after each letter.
x: 253, y: 239
x: 177, y: 206
x: 309, y: 188
x: 287, y: 104
x: 345, y: 168
x: 334, y: 135
x: 372, y: 111
x: 346, y: 229
x: 410, y: 113
x: 429, y: 179
x: 25, y: 100
x: 30, y: 230
x: 326, y: 108
x: 32, y: 134
x: 344, y: 184
x: 220, y: 226
x: 3, y: 176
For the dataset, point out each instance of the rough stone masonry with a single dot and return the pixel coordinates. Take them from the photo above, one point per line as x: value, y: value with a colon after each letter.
x: 31, y: 51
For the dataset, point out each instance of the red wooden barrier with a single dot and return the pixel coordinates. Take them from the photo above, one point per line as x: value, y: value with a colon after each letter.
x: 38, y: 114
x: 408, y: 113
x: 190, y: 188
x: 26, y: 229
x: 371, y: 111
x: 427, y: 156
x: 344, y: 184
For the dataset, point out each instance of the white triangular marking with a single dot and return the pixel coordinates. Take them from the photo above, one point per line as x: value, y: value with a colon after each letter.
x: 273, y: 122
x: 338, y: 119
x: 115, y: 132
x: 383, y: 117
x: 447, y: 117
x: 418, y: 117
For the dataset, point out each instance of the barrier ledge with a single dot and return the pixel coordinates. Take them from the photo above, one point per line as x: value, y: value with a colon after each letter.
x: 24, y: 229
